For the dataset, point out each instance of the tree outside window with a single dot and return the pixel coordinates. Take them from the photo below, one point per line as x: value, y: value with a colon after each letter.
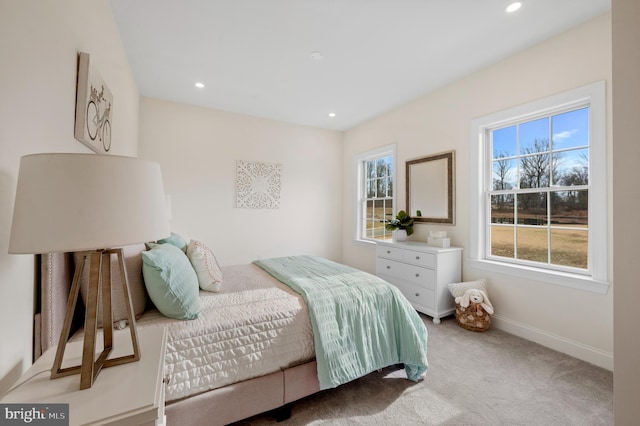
x: 539, y: 197
x: 379, y: 199
x: 375, y: 193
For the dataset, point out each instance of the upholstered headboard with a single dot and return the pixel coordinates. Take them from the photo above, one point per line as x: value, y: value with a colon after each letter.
x: 56, y: 275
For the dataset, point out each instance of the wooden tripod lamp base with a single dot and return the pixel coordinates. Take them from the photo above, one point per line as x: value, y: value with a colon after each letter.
x: 99, y: 285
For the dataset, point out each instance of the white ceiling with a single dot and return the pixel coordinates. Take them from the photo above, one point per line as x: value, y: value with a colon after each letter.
x: 255, y: 56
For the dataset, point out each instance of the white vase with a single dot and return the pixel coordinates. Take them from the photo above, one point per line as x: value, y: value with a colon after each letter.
x: 399, y: 235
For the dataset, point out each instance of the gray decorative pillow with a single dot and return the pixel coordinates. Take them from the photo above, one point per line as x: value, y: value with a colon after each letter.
x: 133, y: 264
x: 458, y: 289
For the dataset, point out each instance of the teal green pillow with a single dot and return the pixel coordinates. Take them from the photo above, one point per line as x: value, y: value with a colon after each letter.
x: 171, y: 282
x: 175, y: 240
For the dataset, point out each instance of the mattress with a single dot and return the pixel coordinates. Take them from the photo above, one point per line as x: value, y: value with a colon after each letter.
x: 254, y: 326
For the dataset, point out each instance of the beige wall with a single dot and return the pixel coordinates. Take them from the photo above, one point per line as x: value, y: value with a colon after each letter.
x: 576, y: 322
x: 197, y: 149
x: 626, y: 202
x: 39, y: 41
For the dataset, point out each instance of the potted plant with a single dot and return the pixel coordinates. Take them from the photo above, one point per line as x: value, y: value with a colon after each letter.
x: 402, y: 226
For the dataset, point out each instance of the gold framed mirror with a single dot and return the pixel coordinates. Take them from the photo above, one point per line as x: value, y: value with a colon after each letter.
x: 431, y: 188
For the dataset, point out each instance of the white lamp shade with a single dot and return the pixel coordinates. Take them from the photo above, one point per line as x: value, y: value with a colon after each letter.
x: 75, y: 202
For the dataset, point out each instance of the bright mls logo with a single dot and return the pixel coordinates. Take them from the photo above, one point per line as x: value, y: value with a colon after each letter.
x: 34, y: 414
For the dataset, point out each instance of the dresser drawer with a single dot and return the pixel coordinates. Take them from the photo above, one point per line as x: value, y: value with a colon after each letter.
x: 389, y: 252
x: 388, y: 267
x: 417, y: 296
x: 419, y: 258
x: 417, y: 275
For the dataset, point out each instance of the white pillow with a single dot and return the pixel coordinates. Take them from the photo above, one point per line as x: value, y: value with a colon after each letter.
x: 458, y: 289
x: 206, y: 266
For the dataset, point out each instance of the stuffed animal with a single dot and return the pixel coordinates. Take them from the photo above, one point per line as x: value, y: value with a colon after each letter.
x: 477, y: 297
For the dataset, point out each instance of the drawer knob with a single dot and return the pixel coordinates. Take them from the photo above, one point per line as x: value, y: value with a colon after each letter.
x: 388, y: 251
x: 417, y: 294
x: 388, y: 267
x: 417, y: 257
x: 417, y: 275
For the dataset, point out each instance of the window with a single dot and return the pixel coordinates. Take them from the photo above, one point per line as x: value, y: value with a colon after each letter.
x: 375, y: 193
x: 539, y: 190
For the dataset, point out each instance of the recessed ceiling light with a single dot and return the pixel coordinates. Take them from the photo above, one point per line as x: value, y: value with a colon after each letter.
x: 316, y: 55
x: 200, y: 85
x: 513, y: 7
x: 332, y: 114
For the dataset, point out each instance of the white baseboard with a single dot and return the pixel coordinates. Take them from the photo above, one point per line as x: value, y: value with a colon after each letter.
x: 561, y: 344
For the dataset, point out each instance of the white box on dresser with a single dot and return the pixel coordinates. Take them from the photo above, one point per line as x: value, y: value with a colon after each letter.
x: 422, y: 273
x: 127, y: 394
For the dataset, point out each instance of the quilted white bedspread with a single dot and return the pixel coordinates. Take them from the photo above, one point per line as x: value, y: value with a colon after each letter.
x: 254, y: 326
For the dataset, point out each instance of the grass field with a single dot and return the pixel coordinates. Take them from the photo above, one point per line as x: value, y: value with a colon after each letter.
x: 568, y: 247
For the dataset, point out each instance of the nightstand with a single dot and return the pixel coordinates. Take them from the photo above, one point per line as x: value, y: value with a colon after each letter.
x: 422, y: 273
x: 128, y: 394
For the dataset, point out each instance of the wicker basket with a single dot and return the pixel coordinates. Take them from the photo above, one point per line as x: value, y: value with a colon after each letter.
x: 473, y: 317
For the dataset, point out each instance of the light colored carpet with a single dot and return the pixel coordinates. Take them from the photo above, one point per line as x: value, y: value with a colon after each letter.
x: 488, y: 378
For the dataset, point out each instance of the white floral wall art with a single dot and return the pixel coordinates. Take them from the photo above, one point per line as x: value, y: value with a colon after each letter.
x: 258, y: 185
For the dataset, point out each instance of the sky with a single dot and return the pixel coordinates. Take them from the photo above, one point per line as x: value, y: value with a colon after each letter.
x: 570, y: 139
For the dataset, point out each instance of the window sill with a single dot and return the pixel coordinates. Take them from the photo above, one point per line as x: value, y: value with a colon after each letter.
x: 576, y: 281
x: 364, y: 243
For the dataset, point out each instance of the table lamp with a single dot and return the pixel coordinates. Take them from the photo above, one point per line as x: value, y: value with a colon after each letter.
x: 92, y: 204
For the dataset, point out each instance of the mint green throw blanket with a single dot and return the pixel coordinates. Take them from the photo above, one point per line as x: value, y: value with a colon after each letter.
x: 360, y: 322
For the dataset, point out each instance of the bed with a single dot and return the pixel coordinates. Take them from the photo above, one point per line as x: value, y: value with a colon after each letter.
x: 277, y: 330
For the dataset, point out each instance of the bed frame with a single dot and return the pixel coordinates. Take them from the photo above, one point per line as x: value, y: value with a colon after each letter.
x: 224, y: 405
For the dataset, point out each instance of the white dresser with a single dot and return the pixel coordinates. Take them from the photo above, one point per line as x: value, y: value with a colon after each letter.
x: 422, y: 273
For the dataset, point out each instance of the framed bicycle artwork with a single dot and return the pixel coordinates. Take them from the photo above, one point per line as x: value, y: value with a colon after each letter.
x: 94, y: 108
